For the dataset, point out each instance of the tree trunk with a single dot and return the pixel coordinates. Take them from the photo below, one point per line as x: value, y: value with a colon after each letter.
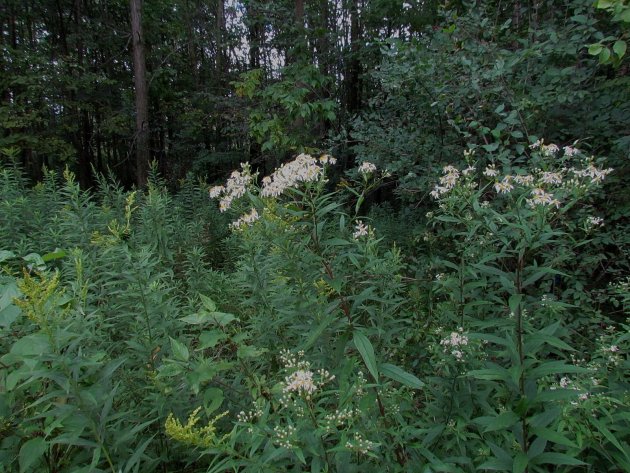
x: 142, y: 96
x: 352, y: 84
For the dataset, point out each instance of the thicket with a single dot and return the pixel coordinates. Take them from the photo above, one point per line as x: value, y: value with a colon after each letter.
x: 424, y: 267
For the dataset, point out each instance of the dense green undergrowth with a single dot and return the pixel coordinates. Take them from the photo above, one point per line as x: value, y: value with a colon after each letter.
x: 141, y: 331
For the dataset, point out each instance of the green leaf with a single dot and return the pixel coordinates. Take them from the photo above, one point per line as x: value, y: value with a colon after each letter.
x: 554, y: 458
x: 31, y: 452
x: 57, y: 254
x: 604, y: 55
x: 180, y: 351
x: 32, y: 345
x: 553, y: 436
x: 248, y: 351
x: 6, y: 255
x: 208, y: 303
x: 209, y: 339
x: 367, y: 353
x: 222, y: 318
x: 515, y: 300
x: 196, y: 319
x: 520, y: 463
x: 555, y: 367
x: 400, y: 375
x: 500, y: 422
x: 620, y: 48
x: 595, y: 49
x: 495, y: 464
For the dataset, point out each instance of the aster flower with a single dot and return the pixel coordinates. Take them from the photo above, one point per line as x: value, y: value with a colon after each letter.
x: 366, y: 168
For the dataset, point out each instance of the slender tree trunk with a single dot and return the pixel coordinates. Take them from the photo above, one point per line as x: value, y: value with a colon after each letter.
x: 142, y: 96
x: 221, y: 56
x: 353, y: 85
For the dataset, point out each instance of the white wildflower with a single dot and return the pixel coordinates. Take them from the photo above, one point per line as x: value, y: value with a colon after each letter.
x: 360, y: 230
x: 490, y: 171
x: 542, y: 198
x: 595, y: 221
x: 245, y: 220
x: 570, y: 151
x: 524, y: 180
x: 366, y: 168
x: 215, y: 191
x: 300, y: 381
x: 504, y: 186
x: 551, y: 178
x: 549, y: 150
x: 304, y: 168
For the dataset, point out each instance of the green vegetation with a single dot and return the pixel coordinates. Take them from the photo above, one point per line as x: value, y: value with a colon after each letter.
x: 355, y: 237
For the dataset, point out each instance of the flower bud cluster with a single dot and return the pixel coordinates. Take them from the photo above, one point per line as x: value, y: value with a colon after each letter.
x: 284, y: 436
x: 360, y: 444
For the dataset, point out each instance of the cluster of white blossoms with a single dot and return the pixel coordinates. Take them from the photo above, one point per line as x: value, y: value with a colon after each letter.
x: 542, y: 198
x: 504, y: 186
x: 547, y: 150
x: 302, y: 381
x: 454, y: 342
x: 367, y: 168
x: 245, y: 220
x: 541, y: 184
x: 304, y: 168
x: 594, y: 221
x: 250, y: 416
x: 234, y: 188
x: 447, y: 181
x: 360, y: 230
x: 359, y: 444
x: 340, y: 417
x: 593, y: 173
x: 284, y: 436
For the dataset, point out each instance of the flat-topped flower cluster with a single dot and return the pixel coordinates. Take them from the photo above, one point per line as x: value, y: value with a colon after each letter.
x: 303, y: 169
x: 541, y: 186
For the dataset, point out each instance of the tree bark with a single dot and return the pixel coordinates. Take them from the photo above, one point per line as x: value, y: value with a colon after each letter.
x: 142, y: 96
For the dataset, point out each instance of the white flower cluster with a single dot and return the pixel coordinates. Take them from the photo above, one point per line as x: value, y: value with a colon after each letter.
x: 250, y: 416
x: 542, y: 198
x: 547, y: 150
x: 304, y: 168
x: 594, y: 221
x: 504, y: 186
x: 490, y: 171
x: 301, y: 382
x: 339, y: 417
x: 294, y: 360
x: 235, y: 187
x: 245, y: 220
x: 454, y: 342
x: 524, y: 179
x: 359, y: 444
x: 284, y: 436
x: 367, y: 168
x: 593, y: 173
x: 447, y: 181
x: 360, y: 230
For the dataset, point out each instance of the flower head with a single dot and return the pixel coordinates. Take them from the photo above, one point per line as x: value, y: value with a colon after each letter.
x: 367, y: 168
